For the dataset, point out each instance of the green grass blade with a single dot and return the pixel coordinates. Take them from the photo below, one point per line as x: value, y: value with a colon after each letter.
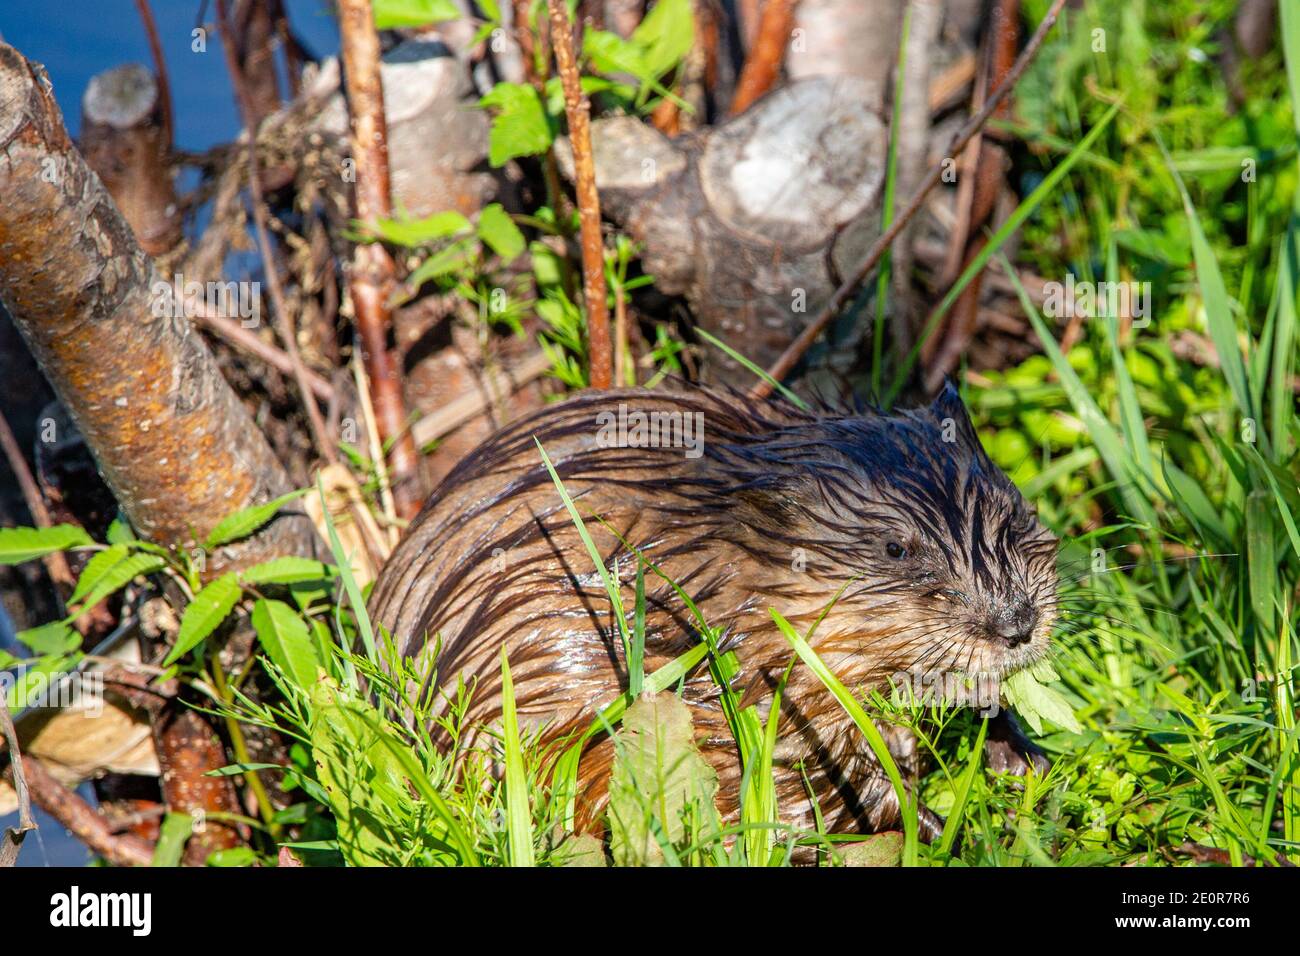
x: 519, y: 817
x: 953, y: 823
x: 906, y: 803
x: 751, y: 366
x: 1119, y: 462
x: 995, y: 243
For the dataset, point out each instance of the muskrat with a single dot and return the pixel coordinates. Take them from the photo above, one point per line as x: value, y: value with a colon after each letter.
x: 943, y: 565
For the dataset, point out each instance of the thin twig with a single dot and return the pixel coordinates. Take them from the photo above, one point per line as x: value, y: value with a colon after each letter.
x: 56, y: 564
x: 245, y: 340
x: 790, y: 357
x: 764, y: 62
x: 11, y: 841
x: 376, y: 449
x: 160, y: 68
x: 283, y: 325
x: 373, y: 272
x: 577, y: 110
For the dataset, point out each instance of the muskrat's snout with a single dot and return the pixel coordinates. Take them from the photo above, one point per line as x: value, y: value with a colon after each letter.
x: 1015, y: 622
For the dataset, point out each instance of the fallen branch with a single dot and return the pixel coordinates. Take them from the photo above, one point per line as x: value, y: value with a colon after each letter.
x: 783, y: 365
x: 81, y: 819
x: 372, y: 271
x: 176, y: 446
x: 577, y: 111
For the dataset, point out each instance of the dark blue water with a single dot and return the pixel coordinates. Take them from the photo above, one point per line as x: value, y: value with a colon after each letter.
x: 74, y: 40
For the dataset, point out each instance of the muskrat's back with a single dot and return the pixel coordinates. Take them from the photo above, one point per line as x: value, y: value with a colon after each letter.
x: 746, y: 507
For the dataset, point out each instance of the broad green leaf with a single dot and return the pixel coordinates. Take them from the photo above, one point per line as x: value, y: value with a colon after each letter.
x: 119, y: 575
x: 1035, y: 701
x: 658, y: 774
x: 419, y: 232
x: 25, y: 544
x: 441, y: 263
x: 233, y: 857
x: 243, y: 523
x: 100, y: 563
x: 498, y: 230
x: 56, y: 637
x: 665, y: 36
x: 208, y: 609
x: 392, y: 14
x: 287, y: 570
x: 173, y: 834
x: 287, y: 642
x: 879, y: 849
x: 520, y: 126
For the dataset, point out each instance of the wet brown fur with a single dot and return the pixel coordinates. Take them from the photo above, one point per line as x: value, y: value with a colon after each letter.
x: 782, y: 510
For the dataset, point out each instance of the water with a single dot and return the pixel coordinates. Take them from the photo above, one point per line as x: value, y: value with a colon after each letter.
x: 74, y: 40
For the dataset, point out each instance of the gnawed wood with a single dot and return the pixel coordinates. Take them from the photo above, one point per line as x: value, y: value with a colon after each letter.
x: 172, y: 440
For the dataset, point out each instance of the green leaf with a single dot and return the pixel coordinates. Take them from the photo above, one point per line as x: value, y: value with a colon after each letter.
x: 1214, y: 294
x: 287, y: 570
x: 519, y: 817
x: 521, y: 126
x: 658, y: 776
x: 392, y: 14
x: 25, y: 544
x: 235, y: 856
x: 287, y: 642
x: 99, y: 565
x: 995, y: 243
x: 243, y: 523
x: 441, y: 263
x: 1034, y: 702
x: 119, y: 575
x: 172, y: 834
x: 56, y: 637
x: 120, y: 532
x: 665, y: 36
x: 498, y: 230
x: 420, y: 232
x: 208, y: 609
x: 879, y: 849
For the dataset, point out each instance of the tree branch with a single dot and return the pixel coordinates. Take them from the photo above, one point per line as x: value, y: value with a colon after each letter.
x: 372, y: 271
x: 578, y: 112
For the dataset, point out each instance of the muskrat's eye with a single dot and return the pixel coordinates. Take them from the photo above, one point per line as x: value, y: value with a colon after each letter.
x: 895, y: 550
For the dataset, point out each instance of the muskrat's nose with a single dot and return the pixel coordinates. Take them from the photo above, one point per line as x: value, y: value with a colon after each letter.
x: 1016, y: 623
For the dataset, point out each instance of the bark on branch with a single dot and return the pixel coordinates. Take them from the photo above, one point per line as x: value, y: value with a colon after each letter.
x: 172, y: 440
x: 372, y: 268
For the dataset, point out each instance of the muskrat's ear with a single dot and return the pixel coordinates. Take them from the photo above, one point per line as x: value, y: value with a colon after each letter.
x: 950, y: 412
x: 948, y: 403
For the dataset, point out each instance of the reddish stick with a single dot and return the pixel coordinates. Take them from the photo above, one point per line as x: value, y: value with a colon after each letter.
x: 764, y: 62
x: 372, y: 272
x: 577, y: 110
